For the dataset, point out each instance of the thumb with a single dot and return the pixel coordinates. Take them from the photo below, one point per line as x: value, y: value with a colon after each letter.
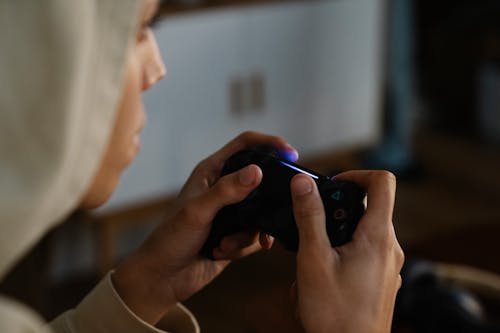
x: 193, y: 220
x: 309, y: 213
x: 229, y: 189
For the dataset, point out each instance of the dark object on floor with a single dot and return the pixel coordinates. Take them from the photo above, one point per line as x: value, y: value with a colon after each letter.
x: 429, y: 303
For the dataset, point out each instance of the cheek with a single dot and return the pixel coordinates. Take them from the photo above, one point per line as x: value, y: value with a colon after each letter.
x: 123, y: 145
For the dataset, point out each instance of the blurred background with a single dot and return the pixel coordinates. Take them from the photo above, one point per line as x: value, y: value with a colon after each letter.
x: 404, y: 85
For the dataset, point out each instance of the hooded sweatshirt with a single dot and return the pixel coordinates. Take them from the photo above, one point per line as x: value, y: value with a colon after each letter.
x: 61, y: 71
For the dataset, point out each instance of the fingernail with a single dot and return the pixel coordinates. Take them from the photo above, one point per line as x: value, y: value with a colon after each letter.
x: 302, y: 186
x: 270, y: 241
x: 247, y: 176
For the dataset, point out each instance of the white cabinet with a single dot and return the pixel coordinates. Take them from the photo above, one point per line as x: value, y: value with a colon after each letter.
x: 320, y: 64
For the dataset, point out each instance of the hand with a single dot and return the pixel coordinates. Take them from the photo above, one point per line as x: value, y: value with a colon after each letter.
x: 351, y: 288
x: 167, y: 268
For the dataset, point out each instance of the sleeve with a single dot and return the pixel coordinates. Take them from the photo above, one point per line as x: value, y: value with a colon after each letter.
x: 15, y: 317
x: 103, y: 311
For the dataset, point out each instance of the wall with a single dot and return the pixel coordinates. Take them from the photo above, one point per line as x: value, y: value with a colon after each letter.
x: 320, y: 64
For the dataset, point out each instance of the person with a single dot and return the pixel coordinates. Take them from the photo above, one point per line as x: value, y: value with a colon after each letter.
x: 72, y: 74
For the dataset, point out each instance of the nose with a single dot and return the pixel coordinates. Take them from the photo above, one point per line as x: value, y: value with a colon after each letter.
x: 154, y: 69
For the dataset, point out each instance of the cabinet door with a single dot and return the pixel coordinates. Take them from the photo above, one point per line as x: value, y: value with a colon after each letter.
x: 279, y: 46
x: 322, y: 63
x: 347, y: 80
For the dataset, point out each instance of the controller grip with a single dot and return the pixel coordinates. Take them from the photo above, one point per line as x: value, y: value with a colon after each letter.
x: 224, y: 224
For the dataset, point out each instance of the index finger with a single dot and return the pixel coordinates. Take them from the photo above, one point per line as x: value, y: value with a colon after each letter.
x: 249, y: 139
x: 381, y: 191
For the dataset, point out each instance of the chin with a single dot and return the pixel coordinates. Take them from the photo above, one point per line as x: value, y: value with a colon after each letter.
x: 97, y: 196
x: 93, y: 203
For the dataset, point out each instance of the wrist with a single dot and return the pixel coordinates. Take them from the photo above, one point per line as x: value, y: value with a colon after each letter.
x: 142, y: 289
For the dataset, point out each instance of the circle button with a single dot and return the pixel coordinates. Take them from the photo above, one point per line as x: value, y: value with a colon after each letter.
x: 339, y: 214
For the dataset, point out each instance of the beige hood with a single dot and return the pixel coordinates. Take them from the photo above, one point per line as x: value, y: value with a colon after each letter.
x: 61, y: 66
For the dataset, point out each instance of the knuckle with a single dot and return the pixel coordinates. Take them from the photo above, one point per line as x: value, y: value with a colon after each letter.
x: 386, y: 177
x: 308, y: 210
x: 206, y: 170
x: 183, y: 213
x: 209, y: 164
x: 226, y: 187
x: 400, y: 255
x: 246, y: 136
x: 200, y: 167
x: 385, y: 241
x: 224, y: 191
x: 399, y: 282
x: 390, y: 248
x: 188, y: 214
x: 253, y: 137
x: 248, y: 133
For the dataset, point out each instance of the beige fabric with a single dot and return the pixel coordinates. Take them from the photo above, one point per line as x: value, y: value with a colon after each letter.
x: 17, y: 318
x: 60, y: 71
x: 103, y: 311
x: 61, y: 68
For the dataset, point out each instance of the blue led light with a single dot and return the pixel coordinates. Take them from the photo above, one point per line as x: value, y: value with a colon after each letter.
x: 299, y: 170
x: 289, y: 155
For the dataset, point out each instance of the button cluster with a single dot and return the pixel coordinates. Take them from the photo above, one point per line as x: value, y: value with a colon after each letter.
x: 340, y: 213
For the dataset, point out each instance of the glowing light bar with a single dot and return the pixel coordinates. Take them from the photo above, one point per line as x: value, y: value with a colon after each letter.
x: 299, y: 170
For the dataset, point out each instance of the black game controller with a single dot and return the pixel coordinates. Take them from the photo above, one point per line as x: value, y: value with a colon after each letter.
x: 268, y: 208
